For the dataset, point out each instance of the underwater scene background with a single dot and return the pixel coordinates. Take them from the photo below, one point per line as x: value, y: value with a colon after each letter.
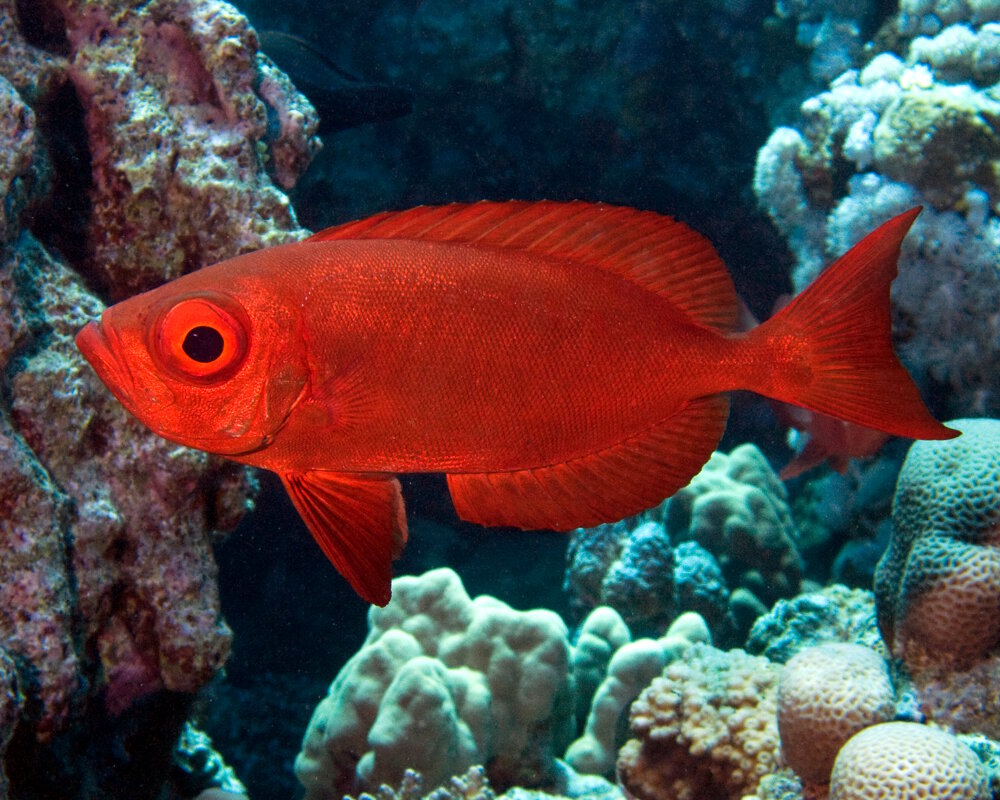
x: 760, y: 630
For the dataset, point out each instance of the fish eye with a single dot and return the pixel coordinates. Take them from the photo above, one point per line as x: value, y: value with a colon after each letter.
x: 203, y: 344
x: 203, y: 337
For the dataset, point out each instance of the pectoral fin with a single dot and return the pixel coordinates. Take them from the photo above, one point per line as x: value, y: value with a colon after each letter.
x: 358, y: 521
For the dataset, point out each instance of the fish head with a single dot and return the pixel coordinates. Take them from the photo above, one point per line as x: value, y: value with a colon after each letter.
x: 216, y: 370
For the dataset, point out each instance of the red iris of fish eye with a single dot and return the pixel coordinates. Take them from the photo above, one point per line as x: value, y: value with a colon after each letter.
x: 189, y: 314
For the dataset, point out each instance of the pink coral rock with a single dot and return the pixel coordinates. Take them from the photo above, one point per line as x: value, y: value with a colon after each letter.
x: 705, y: 728
x: 107, y: 578
x: 907, y: 761
x: 179, y: 139
x: 937, y: 587
x: 826, y: 694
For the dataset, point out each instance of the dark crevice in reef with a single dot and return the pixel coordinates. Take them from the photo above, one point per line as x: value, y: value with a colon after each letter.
x: 42, y: 26
x: 59, y: 221
x: 128, y: 757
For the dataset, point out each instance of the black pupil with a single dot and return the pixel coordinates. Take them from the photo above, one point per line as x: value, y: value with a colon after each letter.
x: 203, y: 344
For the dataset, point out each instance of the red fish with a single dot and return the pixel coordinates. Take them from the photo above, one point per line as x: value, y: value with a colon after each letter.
x: 828, y: 439
x: 564, y: 364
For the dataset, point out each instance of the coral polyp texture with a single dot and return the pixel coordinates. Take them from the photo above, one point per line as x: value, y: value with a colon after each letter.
x: 628, y: 671
x: 937, y: 586
x: 826, y: 694
x: 907, y: 761
x: 705, y: 728
x: 834, y: 613
x: 917, y: 127
x: 443, y: 682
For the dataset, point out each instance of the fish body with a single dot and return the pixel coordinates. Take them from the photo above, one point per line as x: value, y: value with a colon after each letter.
x: 564, y: 364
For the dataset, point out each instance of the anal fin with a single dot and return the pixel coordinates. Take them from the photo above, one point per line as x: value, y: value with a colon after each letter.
x: 605, y: 486
x: 359, y: 522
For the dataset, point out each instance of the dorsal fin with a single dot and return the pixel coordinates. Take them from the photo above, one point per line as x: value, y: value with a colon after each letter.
x: 651, y: 250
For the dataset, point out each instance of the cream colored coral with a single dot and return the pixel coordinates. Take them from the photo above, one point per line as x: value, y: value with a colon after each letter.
x: 705, y: 728
x: 631, y: 669
x: 907, y: 761
x: 826, y: 694
x: 443, y: 682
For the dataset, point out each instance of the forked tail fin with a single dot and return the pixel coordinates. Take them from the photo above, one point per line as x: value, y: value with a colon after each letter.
x: 831, y: 345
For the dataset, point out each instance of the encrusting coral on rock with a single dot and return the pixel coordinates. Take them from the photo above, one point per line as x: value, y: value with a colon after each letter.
x: 108, y: 603
x: 834, y: 613
x: 176, y: 107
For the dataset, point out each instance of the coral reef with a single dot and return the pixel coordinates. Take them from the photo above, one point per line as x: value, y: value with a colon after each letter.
x: 834, y: 613
x: 11, y: 703
x: 473, y: 785
x: 629, y: 671
x: 917, y: 127
x: 826, y: 694
x: 961, y: 700
x: 736, y: 508
x: 600, y: 636
x: 629, y: 568
x: 729, y: 529
x: 937, y: 587
x: 908, y: 761
x: 443, y: 682
x: 706, y: 728
x: 780, y: 785
x: 134, y: 145
x: 175, y: 107
x: 830, y: 29
x: 119, y: 517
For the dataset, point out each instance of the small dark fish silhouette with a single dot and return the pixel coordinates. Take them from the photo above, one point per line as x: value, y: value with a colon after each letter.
x: 342, y: 100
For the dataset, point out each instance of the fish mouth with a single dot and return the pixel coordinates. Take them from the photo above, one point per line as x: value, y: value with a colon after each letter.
x: 99, y: 349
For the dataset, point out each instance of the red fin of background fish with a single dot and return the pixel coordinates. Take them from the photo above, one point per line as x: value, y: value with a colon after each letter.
x: 830, y: 440
x: 601, y: 487
x: 358, y: 521
x: 651, y: 250
x: 810, y: 456
x: 842, y: 319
